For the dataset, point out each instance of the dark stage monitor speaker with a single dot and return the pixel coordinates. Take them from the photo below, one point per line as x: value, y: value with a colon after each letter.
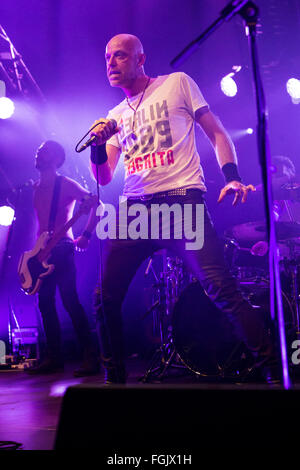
x: 156, y: 419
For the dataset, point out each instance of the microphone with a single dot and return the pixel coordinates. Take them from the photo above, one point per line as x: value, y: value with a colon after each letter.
x: 94, y: 138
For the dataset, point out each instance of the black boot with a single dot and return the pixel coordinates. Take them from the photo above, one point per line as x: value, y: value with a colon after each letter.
x: 109, y: 327
x: 253, y: 329
x: 90, y: 364
x: 267, y: 363
x: 271, y: 372
x: 268, y: 373
x: 114, y: 373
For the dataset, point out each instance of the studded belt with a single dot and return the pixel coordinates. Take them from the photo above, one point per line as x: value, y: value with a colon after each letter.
x: 163, y: 194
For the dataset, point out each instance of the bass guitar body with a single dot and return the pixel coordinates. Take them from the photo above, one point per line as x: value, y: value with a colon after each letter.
x: 32, y: 269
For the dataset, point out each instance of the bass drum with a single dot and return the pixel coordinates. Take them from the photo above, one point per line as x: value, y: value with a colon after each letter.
x: 204, y: 337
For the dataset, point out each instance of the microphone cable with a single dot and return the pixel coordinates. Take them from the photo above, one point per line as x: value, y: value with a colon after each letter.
x: 77, y: 145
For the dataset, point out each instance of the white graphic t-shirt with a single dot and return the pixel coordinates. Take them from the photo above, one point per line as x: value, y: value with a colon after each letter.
x: 160, y: 153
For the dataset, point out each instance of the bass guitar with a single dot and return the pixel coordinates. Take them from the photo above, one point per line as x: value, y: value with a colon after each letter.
x: 33, y: 265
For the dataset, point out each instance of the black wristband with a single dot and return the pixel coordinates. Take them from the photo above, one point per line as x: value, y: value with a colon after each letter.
x: 87, y: 234
x: 98, y: 154
x: 230, y: 172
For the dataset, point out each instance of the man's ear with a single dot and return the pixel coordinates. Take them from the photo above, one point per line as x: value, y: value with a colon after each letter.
x: 141, y: 59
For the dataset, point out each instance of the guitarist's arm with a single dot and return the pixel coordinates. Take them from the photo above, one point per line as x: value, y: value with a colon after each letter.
x: 81, y: 194
x: 83, y: 240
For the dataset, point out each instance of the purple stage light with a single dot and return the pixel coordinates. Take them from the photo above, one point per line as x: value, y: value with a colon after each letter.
x: 293, y: 89
x: 6, y: 215
x: 7, y: 108
x: 228, y: 86
x: 237, y: 134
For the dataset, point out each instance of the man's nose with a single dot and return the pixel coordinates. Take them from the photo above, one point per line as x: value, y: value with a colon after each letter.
x: 111, y: 61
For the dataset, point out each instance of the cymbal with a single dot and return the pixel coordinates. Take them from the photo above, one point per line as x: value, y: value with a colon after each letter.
x: 283, y: 189
x: 288, y: 192
x: 246, y: 233
x: 255, y: 231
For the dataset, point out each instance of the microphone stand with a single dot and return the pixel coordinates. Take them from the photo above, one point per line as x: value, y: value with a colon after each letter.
x: 5, y: 269
x: 249, y: 12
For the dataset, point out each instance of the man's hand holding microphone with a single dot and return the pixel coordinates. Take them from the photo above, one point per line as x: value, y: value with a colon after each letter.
x: 105, y: 129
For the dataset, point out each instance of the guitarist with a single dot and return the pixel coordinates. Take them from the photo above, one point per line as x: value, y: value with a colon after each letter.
x: 54, y: 200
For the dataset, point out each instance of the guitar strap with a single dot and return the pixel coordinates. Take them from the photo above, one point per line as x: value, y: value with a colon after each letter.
x: 54, y: 204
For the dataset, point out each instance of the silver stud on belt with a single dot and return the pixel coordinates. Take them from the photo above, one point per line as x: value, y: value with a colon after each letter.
x: 176, y: 192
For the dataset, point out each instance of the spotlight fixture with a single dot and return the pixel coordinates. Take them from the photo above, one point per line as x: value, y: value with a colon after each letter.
x: 293, y: 89
x: 6, y: 216
x: 228, y: 84
x: 237, y: 134
x: 7, y: 107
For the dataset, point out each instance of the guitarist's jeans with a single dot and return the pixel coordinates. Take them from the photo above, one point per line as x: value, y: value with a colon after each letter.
x: 123, y: 257
x: 63, y: 277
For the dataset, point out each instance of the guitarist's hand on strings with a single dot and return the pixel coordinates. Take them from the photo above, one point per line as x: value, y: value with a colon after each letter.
x: 81, y: 243
x: 88, y: 203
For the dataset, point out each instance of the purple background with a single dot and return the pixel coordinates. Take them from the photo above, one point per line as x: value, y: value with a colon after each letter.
x: 62, y: 44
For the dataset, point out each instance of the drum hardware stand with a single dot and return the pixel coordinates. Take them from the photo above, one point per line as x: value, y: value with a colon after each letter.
x: 165, y: 356
x: 5, y: 267
x: 293, y: 265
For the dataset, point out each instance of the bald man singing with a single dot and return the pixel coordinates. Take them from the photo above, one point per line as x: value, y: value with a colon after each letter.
x: 155, y: 137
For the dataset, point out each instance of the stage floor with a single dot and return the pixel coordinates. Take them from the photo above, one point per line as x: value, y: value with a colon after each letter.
x: 30, y: 405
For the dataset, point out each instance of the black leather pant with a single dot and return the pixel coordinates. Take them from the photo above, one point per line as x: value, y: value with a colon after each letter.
x: 63, y: 277
x: 123, y: 257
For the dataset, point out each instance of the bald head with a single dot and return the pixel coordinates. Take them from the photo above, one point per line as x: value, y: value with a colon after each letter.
x: 128, y: 41
x: 125, y: 60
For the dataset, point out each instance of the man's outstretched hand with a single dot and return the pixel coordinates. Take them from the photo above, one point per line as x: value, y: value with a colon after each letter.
x: 239, y: 190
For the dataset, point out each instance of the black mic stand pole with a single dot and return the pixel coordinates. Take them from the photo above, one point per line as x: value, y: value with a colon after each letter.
x: 249, y: 12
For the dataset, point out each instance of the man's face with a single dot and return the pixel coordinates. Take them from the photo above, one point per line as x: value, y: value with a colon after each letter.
x: 44, y: 159
x: 121, y: 62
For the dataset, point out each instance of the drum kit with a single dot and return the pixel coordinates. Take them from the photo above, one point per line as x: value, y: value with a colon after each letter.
x: 248, y: 261
x: 194, y: 335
